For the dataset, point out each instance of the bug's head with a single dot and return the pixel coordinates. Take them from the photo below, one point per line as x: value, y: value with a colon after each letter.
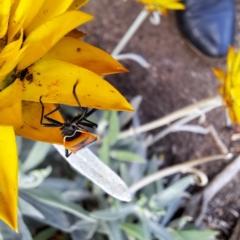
x: 68, y: 130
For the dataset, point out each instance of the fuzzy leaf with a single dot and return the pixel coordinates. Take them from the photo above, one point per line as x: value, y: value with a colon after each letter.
x: 134, y: 230
x: 126, y: 156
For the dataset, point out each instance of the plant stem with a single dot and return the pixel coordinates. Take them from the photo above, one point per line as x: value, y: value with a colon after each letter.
x: 213, y: 101
x: 130, y: 32
x: 174, y: 169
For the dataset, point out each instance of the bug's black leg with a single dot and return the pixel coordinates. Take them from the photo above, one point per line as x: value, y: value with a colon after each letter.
x: 79, y: 118
x: 86, y: 122
x: 84, y: 111
x: 88, y: 125
x: 88, y: 114
x: 67, y: 154
x: 53, y: 123
x: 75, y: 95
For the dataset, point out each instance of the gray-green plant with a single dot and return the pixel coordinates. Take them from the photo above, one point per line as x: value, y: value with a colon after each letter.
x: 49, y: 204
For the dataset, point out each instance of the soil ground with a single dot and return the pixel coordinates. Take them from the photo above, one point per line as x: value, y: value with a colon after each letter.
x: 177, y: 77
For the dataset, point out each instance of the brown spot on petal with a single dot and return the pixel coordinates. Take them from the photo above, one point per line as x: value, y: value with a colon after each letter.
x: 78, y: 49
x: 29, y: 78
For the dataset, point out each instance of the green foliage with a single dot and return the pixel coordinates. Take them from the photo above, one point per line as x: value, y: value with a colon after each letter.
x: 52, y: 204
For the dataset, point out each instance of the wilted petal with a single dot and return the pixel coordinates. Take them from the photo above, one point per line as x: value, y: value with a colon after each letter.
x: 48, y: 10
x: 54, y: 80
x: 10, y: 105
x: 78, y: 52
x: 48, y: 34
x: 8, y: 177
x: 32, y: 128
x: 4, y: 16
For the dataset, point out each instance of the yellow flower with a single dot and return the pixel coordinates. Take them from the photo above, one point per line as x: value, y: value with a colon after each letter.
x: 230, y: 84
x: 41, y: 55
x: 162, y: 5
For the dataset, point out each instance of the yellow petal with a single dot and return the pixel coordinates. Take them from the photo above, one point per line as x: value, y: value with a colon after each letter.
x: 32, y: 128
x: 8, y: 177
x: 54, y: 80
x: 77, y: 4
x: 18, y: 18
x: 32, y: 12
x: 11, y: 49
x: 84, y: 55
x: 48, y: 10
x: 75, y: 34
x: 48, y: 34
x: 219, y: 73
x: 163, y: 11
x: 230, y: 58
x: 236, y: 64
x: 10, y: 105
x: 235, y: 112
x: 9, y: 65
x: 176, y: 6
x: 4, y: 16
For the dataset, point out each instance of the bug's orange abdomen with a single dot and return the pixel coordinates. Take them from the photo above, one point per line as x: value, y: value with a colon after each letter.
x: 81, y: 138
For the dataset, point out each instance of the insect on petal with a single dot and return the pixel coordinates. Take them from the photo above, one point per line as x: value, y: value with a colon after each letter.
x: 32, y: 128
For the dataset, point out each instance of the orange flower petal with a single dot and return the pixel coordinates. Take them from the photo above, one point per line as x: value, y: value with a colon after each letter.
x: 54, y: 80
x: 8, y: 177
x: 219, y: 73
x: 32, y: 128
x: 10, y: 105
x: 48, y: 34
x: 84, y: 55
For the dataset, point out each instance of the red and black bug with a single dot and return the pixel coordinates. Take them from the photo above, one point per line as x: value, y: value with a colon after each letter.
x: 74, y: 135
